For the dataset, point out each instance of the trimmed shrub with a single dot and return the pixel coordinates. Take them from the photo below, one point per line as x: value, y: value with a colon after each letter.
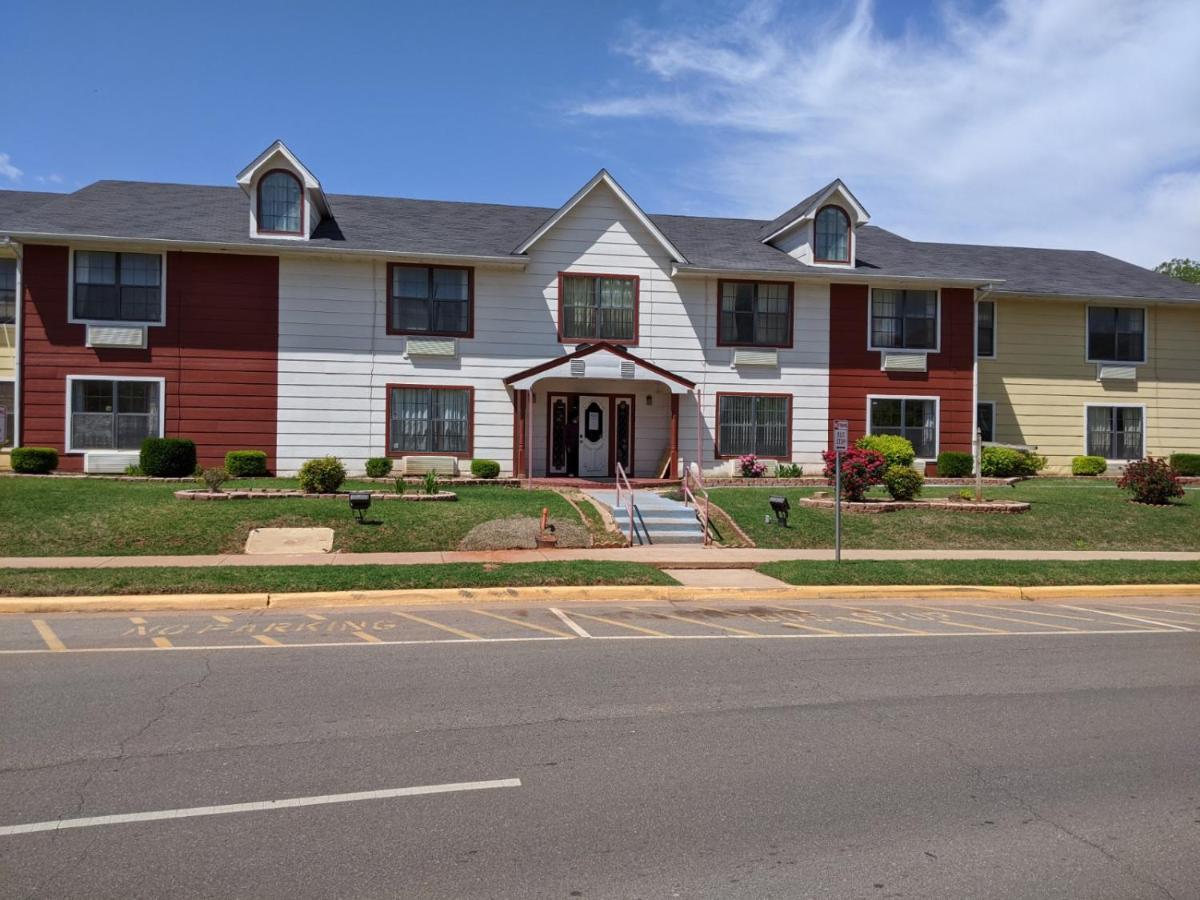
x: 321, y: 476
x: 213, y: 478
x: 33, y: 460
x: 168, y: 457
x: 485, y: 468
x: 955, y: 464
x: 1151, y: 481
x: 379, y: 467
x: 903, y: 482
x: 246, y: 463
x: 1007, y: 462
x: 1089, y: 465
x: 898, y: 451
x: 861, y: 469
x: 1186, y: 464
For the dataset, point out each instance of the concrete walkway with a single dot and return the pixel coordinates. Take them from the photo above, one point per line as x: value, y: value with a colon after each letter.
x: 671, y: 557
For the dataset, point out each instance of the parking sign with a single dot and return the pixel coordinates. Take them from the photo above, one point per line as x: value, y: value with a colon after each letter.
x: 841, y: 435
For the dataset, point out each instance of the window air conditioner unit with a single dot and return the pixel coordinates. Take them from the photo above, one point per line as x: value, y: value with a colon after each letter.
x: 903, y: 362
x: 444, y: 347
x: 123, y: 336
x: 768, y: 357
x: 1110, y: 372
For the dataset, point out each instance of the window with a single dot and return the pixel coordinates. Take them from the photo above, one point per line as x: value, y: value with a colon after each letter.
x: 904, y: 320
x: 755, y: 314
x: 8, y: 398
x: 985, y: 416
x: 429, y: 420
x: 912, y: 417
x: 280, y: 204
x: 1115, y: 432
x: 113, y: 415
x: 985, y: 329
x: 597, y: 308
x: 430, y: 300
x: 1116, y: 334
x: 8, y: 291
x: 118, y: 287
x: 832, y: 229
x: 754, y: 423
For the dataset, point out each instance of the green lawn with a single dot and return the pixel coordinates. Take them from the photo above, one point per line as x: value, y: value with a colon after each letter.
x: 295, y: 579
x: 984, y: 572
x: 1066, y: 515
x: 78, y: 517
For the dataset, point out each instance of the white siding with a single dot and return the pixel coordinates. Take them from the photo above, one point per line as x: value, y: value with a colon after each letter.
x: 335, y: 356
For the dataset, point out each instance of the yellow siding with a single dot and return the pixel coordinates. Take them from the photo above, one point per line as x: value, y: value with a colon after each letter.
x: 1040, y: 380
x: 8, y: 351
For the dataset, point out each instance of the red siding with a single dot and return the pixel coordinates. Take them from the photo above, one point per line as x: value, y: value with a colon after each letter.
x: 854, y: 370
x: 217, y: 352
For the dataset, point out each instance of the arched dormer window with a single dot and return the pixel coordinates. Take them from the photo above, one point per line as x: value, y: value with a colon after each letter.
x: 280, y: 204
x: 832, y: 235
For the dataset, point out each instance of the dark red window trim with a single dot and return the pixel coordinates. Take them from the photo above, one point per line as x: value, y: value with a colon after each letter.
x: 717, y: 423
x: 849, y: 237
x: 258, y: 192
x: 469, y: 453
x: 791, y: 337
x: 637, y: 309
x: 469, y: 333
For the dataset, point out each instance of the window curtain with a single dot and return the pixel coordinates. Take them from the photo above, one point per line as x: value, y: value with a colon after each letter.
x: 579, y: 313
x: 430, y: 421
x: 616, y: 308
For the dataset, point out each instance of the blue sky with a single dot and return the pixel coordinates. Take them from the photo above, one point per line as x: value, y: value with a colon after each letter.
x: 1067, y: 123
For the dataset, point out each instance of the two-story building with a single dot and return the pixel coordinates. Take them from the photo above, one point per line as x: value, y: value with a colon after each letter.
x: 564, y: 342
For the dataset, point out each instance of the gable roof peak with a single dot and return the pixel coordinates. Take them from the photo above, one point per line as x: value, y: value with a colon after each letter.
x: 278, y: 150
x: 810, y: 206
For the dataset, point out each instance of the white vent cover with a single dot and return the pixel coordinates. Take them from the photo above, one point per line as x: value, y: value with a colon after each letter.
x: 766, y: 357
x: 628, y: 369
x: 116, y: 336
x: 108, y: 463
x: 432, y: 347
x: 1106, y: 372
x: 903, y: 362
x: 578, y: 368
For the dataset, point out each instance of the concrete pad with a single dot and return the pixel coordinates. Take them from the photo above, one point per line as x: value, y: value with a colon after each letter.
x: 279, y: 541
x: 731, y: 578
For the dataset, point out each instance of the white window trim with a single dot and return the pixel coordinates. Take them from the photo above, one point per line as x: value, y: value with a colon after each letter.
x: 115, y: 323
x: 995, y: 329
x: 812, y: 240
x: 1145, y: 424
x: 1087, y: 342
x: 992, y: 404
x: 937, y: 348
x: 12, y: 438
x: 71, y: 379
x: 937, y: 418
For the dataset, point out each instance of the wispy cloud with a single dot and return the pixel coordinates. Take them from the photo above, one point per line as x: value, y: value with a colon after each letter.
x: 8, y: 170
x: 1070, y: 123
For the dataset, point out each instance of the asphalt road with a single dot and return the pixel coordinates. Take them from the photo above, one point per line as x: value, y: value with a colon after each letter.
x: 877, y: 762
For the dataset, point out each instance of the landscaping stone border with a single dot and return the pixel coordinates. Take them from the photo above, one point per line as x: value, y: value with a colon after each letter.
x: 821, y: 481
x: 191, y: 479
x: 269, y: 494
x: 1001, y: 507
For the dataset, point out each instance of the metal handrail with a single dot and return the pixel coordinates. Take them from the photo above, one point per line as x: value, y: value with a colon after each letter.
x: 692, y: 474
x: 629, y: 498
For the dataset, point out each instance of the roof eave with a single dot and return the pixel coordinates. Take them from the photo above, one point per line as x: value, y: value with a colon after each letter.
x: 839, y: 275
x: 1116, y: 298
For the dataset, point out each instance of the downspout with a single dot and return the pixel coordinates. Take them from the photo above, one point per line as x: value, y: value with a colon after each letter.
x: 980, y: 293
x: 20, y: 344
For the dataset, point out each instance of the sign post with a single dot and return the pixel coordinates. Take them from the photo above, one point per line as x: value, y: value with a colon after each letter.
x: 841, y: 443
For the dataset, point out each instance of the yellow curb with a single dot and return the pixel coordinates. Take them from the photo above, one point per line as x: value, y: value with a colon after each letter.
x: 133, y: 603
x: 1117, y: 591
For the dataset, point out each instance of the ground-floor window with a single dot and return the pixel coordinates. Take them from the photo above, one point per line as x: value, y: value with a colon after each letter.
x: 1116, y: 432
x: 985, y: 416
x: 912, y: 417
x: 754, y: 423
x: 113, y: 414
x: 8, y: 403
x: 423, y: 419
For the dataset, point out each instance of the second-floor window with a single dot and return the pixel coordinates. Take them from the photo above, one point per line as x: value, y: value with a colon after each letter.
x: 598, y: 308
x: 280, y: 204
x: 755, y: 314
x: 985, y: 329
x: 831, y: 235
x: 904, y: 320
x: 430, y: 300
x: 1116, y: 334
x: 8, y: 291
x: 118, y: 287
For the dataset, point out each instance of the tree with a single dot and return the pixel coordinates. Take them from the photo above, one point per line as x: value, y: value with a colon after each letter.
x: 1183, y: 269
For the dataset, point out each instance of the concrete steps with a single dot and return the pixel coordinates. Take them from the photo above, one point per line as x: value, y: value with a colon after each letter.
x: 657, y: 519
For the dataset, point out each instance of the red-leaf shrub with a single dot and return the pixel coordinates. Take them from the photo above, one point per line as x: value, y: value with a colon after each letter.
x: 861, y: 469
x: 1151, y: 481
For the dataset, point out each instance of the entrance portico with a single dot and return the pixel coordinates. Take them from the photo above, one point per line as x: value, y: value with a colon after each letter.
x: 583, y: 414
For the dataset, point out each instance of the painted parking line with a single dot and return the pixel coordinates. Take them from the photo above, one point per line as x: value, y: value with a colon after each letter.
x: 48, y: 635
x: 266, y: 639
x: 965, y: 612
x: 523, y: 624
x: 457, y: 632
x: 859, y: 620
x: 164, y: 643
x: 1103, y: 612
x: 741, y: 632
x: 1039, y: 612
x: 1188, y: 617
x: 790, y: 623
x: 649, y: 632
x: 257, y: 806
x: 569, y: 622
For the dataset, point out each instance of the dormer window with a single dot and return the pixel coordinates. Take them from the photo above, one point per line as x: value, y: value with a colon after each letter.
x: 832, y: 236
x: 280, y: 204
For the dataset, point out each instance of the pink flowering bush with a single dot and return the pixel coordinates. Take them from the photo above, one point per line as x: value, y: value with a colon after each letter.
x: 861, y: 470
x: 751, y: 467
x: 1152, y: 481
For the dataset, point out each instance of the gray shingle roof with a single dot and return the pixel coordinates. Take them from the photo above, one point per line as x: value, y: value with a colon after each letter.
x: 220, y: 215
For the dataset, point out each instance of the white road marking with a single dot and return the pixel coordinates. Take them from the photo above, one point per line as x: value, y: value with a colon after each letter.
x: 259, y: 806
x: 1104, y: 612
x: 570, y: 623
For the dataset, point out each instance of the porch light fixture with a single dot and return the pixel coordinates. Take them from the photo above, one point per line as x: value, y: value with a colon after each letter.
x: 360, y: 502
x: 780, y: 507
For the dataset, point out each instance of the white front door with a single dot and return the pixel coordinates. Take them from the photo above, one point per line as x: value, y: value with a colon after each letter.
x: 594, y: 433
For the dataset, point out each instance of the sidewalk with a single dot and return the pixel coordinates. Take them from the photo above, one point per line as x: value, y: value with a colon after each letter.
x: 663, y: 556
